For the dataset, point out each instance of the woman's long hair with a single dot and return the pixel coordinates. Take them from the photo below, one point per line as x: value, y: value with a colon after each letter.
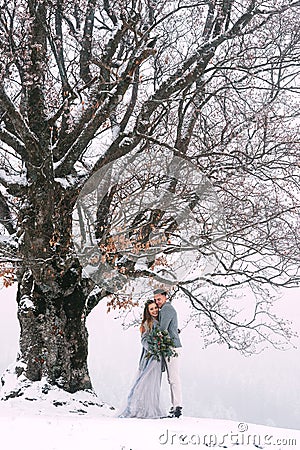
x: 147, y: 321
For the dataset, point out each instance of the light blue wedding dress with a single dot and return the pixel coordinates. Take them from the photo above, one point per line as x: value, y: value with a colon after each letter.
x: 144, y: 398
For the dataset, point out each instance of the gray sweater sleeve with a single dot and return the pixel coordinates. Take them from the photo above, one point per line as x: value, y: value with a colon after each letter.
x: 168, y: 322
x: 166, y: 316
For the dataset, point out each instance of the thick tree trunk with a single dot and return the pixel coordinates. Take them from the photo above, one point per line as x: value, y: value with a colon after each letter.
x: 51, y: 293
x: 54, y: 339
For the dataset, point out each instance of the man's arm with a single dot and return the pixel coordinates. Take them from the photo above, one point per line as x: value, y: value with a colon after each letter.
x: 165, y: 317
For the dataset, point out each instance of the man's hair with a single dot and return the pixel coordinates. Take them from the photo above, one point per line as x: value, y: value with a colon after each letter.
x: 160, y: 291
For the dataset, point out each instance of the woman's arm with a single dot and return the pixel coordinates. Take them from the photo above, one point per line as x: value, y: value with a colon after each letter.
x: 144, y: 340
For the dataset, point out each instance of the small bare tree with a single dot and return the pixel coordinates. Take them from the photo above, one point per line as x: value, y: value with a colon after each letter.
x: 89, y: 87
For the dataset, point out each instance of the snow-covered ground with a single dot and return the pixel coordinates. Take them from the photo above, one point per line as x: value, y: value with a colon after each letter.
x: 36, y: 425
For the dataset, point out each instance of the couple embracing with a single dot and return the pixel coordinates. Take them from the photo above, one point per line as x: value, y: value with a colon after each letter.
x: 161, y: 350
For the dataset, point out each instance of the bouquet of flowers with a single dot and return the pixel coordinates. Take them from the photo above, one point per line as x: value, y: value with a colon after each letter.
x: 160, y: 344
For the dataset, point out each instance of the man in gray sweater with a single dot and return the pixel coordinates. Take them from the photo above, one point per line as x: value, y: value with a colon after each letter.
x: 168, y: 321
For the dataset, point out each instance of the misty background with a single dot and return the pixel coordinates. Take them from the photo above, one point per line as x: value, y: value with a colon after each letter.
x: 217, y: 382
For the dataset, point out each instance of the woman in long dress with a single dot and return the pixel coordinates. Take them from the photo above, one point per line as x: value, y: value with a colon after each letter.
x: 144, y: 397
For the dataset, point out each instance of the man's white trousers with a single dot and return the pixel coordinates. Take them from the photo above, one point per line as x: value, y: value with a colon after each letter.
x: 174, y: 379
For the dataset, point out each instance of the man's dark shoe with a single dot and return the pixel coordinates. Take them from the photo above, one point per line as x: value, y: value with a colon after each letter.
x: 171, y: 412
x: 177, y: 412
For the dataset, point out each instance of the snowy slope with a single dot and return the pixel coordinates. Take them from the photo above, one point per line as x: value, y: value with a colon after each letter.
x: 33, y: 425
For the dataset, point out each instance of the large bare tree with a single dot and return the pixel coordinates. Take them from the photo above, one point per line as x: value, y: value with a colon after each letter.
x: 213, y: 84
